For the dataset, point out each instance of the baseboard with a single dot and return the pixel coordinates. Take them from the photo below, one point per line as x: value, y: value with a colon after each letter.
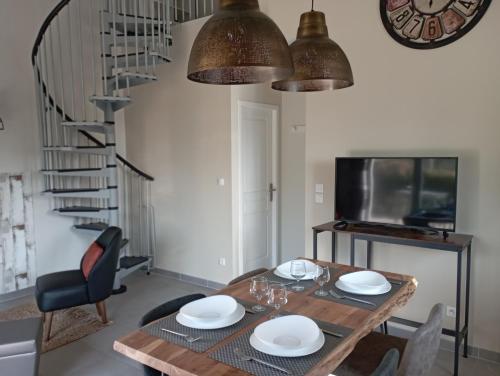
x: 29, y: 291
x: 189, y: 279
x: 447, y: 344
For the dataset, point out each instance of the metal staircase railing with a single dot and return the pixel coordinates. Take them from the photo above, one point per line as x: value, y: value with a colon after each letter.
x: 86, y: 57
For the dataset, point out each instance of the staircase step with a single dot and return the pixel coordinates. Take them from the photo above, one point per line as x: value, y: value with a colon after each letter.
x: 134, y: 60
x: 132, y: 41
x: 78, y: 193
x: 126, y: 24
x: 84, y: 212
x: 90, y: 126
x: 128, y: 262
x: 134, y: 79
x: 72, y: 209
x: 94, y: 226
x: 84, y: 172
x: 116, y: 102
x: 79, y: 149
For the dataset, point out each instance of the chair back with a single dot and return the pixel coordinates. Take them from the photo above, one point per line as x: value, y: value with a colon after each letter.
x: 161, y: 311
x: 422, y: 348
x: 389, y: 364
x: 102, y: 275
x: 250, y: 274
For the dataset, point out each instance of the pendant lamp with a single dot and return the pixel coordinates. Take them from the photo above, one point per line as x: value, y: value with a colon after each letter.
x: 319, y: 62
x: 239, y: 45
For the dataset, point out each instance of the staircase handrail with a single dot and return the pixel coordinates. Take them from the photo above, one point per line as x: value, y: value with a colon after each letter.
x: 48, y: 20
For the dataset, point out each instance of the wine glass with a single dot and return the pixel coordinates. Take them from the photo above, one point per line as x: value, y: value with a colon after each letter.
x: 298, y: 271
x: 277, y: 297
x: 321, y: 277
x: 258, y: 289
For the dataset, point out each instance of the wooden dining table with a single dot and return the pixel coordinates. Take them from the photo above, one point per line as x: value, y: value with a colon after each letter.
x: 175, y: 360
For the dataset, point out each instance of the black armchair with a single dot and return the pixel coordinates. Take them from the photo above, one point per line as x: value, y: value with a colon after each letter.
x: 74, y: 288
x: 164, y: 310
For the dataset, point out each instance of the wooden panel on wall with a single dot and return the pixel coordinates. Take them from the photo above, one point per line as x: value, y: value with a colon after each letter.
x: 17, y: 248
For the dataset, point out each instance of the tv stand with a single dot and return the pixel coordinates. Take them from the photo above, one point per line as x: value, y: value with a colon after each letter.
x: 456, y: 243
x: 342, y: 225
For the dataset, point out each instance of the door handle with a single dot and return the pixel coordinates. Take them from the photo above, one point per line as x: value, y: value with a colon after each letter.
x: 272, y: 189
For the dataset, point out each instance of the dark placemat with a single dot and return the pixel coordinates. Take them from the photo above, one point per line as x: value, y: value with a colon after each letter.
x: 307, y: 284
x: 210, y: 337
x: 297, y: 366
x: 378, y: 300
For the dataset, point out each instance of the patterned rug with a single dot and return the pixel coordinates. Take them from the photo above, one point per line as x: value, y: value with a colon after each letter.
x: 68, y: 325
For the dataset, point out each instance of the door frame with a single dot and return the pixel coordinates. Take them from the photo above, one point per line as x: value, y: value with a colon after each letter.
x: 236, y: 180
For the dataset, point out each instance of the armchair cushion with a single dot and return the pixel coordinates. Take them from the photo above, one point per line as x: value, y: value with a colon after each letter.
x: 61, y: 290
x: 93, y: 254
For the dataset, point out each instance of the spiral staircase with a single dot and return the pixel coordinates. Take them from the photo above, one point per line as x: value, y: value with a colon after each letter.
x: 87, y: 56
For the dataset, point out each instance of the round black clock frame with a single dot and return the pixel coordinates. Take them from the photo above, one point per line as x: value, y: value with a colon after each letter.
x: 408, y: 42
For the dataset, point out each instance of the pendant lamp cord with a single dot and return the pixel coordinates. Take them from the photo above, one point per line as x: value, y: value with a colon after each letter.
x: 312, y: 5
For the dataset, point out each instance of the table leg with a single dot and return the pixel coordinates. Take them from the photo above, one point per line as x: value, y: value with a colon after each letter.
x: 369, y: 250
x: 334, y: 246
x: 467, y: 293
x: 315, y: 244
x: 457, y: 319
x: 352, y: 250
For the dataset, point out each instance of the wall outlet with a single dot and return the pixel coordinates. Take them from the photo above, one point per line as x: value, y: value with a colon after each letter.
x: 222, y: 261
x: 451, y: 311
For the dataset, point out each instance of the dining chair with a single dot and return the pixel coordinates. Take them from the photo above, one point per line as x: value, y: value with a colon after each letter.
x: 161, y: 311
x: 250, y: 274
x: 91, y: 284
x: 417, y: 354
x: 389, y: 364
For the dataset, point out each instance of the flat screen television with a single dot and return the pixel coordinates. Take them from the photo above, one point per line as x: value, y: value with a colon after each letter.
x: 412, y: 192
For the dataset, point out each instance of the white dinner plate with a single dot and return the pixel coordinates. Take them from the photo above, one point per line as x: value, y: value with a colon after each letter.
x: 288, y: 332
x: 366, y: 279
x: 363, y: 291
x: 283, y: 270
x: 284, y: 352
x: 212, y: 308
x: 214, y: 324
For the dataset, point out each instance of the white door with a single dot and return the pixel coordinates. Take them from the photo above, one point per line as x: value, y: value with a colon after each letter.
x: 258, y: 195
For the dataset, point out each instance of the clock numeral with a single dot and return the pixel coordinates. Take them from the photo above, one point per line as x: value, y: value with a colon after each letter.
x: 467, y: 7
x: 400, y: 17
x: 392, y: 5
x: 432, y: 29
x: 413, y: 29
x: 452, y: 21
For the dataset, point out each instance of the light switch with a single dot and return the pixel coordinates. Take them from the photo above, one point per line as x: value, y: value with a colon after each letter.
x: 318, y: 198
x: 221, y: 182
x: 319, y: 188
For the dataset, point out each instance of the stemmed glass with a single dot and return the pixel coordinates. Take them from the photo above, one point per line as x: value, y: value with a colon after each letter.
x: 298, y: 271
x: 258, y: 289
x: 321, y: 277
x: 277, y: 297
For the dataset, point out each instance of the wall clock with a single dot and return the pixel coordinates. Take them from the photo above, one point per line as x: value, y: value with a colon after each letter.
x: 425, y: 24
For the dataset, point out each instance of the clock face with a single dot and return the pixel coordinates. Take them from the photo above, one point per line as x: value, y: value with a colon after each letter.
x: 430, y: 23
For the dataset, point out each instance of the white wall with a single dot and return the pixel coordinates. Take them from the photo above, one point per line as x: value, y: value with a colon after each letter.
x: 293, y: 146
x: 179, y: 132
x: 57, y: 247
x: 408, y: 102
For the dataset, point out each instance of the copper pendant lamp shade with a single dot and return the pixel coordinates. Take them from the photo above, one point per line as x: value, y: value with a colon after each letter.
x: 320, y: 64
x: 239, y: 45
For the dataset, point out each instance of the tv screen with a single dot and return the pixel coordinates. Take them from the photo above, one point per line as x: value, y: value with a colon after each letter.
x: 416, y: 192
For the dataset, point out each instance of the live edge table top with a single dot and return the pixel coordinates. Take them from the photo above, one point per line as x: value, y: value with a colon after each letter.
x: 178, y: 361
